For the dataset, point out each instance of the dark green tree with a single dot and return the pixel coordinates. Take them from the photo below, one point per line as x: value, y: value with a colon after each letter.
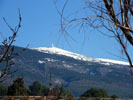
x: 35, y: 89
x: 45, y: 91
x: 95, y: 92
x: 17, y: 88
x: 103, y: 93
x: 60, y: 92
x: 3, y: 90
x: 114, y: 96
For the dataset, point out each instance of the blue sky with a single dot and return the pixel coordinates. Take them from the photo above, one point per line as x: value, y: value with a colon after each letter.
x: 41, y: 25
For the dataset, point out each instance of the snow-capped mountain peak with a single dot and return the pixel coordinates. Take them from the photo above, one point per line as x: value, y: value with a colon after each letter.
x: 55, y: 50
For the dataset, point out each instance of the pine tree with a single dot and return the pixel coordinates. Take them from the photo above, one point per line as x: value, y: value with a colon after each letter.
x: 17, y: 88
x: 45, y: 90
x: 35, y: 89
x: 61, y: 92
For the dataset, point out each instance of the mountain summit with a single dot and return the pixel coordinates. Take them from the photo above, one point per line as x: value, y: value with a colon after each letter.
x: 55, y: 50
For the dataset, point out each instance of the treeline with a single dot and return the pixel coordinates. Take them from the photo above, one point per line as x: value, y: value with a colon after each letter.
x: 37, y: 89
x: 95, y: 92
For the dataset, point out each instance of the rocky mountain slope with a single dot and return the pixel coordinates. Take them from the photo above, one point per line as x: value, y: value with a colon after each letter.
x: 74, y: 71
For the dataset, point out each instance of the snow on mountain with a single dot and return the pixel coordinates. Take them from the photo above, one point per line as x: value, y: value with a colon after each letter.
x: 55, y: 50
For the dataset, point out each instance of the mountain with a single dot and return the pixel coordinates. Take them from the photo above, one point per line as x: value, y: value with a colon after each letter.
x: 74, y: 71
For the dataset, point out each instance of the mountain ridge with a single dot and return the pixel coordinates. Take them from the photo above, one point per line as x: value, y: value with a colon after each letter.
x: 55, y: 50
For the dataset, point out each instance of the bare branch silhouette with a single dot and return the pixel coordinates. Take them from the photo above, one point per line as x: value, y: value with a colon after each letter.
x: 113, y: 15
x: 7, y: 52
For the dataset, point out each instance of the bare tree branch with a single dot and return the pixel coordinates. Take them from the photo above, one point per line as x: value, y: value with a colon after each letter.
x: 7, y: 51
x: 113, y: 15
